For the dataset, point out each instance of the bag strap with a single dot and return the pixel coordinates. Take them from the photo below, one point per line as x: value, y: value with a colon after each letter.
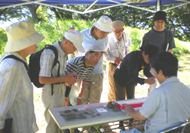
x: 165, y: 40
x: 18, y: 59
x: 54, y: 63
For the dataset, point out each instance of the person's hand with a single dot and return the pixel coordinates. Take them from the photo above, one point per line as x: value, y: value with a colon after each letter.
x: 70, y: 78
x: 128, y: 109
x: 150, y: 80
x: 79, y: 101
x: 118, y: 61
x: 67, y: 84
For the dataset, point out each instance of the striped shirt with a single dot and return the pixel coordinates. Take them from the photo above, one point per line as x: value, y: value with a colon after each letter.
x: 16, y: 96
x: 77, y: 65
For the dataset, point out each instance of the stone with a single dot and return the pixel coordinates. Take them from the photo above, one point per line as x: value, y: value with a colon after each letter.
x: 79, y: 113
x: 71, y: 116
x: 116, y: 109
x: 75, y: 110
x: 111, y: 105
x: 65, y: 114
x: 67, y: 111
x: 89, y: 111
x: 81, y: 117
x: 98, y: 114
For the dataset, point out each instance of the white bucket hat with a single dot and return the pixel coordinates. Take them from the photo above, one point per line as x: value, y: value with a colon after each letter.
x: 103, y: 24
x: 95, y: 48
x: 21, y: 35
x: 76, y: 38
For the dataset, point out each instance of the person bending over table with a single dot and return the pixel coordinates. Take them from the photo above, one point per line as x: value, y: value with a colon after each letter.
x: 83, y: 66
x: 126, y: 74
x: 168, y: 105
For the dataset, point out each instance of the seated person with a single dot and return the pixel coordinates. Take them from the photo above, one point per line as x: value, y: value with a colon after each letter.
x: 126, y: 74
x: 83, y: 66
x: 167, y: 105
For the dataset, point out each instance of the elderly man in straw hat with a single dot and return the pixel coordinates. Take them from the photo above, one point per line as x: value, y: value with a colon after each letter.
x: 16, y: 97
x: 117, y: 48
x: 71, y: 42
x: 96, y: 35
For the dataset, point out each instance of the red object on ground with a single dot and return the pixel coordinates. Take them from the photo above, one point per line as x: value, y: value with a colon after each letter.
x: 136, y: 105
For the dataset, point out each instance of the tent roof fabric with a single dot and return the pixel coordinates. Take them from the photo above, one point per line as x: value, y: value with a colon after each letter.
x: 89, y: 2
x: 108, y: 4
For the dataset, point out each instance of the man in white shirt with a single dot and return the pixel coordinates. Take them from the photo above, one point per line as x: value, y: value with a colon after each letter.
x: 117, y: 48
x: 96, y: 35
x: 167, y: 105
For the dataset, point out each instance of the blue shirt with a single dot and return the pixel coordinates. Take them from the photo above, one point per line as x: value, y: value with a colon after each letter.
x: 88, y: 40
x: 166, y: 106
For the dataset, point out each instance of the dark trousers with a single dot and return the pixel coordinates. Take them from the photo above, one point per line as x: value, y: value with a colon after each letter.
x: 127, y: 91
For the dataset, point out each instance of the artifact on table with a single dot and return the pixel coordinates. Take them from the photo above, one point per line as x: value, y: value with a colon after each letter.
x: 71, y: 116
x: 89, y: 111
x: 111, y: 105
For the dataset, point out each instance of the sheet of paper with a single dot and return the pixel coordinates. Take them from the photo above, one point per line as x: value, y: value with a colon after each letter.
x: 101, y: 110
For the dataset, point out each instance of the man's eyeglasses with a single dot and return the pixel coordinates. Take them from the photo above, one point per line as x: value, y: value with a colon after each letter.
x: 98, y: 57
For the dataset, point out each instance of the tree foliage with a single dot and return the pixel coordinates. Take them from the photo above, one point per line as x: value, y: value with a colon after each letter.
x: 178, y: 18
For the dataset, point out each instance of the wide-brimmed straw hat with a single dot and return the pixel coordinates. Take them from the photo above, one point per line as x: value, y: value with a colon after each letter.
x: 76, y: 38
x: 21, y: 35
x: 103, y: 24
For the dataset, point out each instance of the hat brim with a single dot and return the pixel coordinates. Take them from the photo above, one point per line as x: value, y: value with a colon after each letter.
x: 104, y: 52
x: 79, y: 47
x: 12, y: 46
x: 103, y: 28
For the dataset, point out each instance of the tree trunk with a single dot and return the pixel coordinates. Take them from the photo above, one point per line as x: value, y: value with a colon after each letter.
x: 33, y: 9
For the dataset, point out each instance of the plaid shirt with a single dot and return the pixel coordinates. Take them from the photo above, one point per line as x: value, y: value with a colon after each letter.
x: 47, y: 59
x: 16, y: 96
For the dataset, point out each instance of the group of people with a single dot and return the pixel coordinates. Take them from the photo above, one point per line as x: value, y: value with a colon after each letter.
x: 166, y: 105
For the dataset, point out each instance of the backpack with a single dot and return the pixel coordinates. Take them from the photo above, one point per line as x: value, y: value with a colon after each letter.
x: 34, y: 65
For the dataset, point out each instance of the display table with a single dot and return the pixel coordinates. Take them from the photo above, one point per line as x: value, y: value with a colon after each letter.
x: 102, y: 114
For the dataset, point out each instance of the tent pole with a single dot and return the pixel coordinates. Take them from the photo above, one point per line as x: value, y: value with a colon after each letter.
x: 91, y: 5
x: 22, y: 4
x: 158, y: 5
x: 176, y: 6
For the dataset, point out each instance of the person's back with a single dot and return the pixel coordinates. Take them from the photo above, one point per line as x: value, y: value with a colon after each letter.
x: 174, y: 107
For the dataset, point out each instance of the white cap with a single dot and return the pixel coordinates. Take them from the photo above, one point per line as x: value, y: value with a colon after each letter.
x: 76, y: 38
x: 21, y: 35
x: 95, y: 48
x: 103, y: 24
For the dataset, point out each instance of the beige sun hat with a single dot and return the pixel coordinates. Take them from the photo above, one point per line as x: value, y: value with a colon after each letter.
x: 117, y: 24
x: 76, y: 38
x: 95, y: 48
x: 21, y: 35
x: 104, y: 24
